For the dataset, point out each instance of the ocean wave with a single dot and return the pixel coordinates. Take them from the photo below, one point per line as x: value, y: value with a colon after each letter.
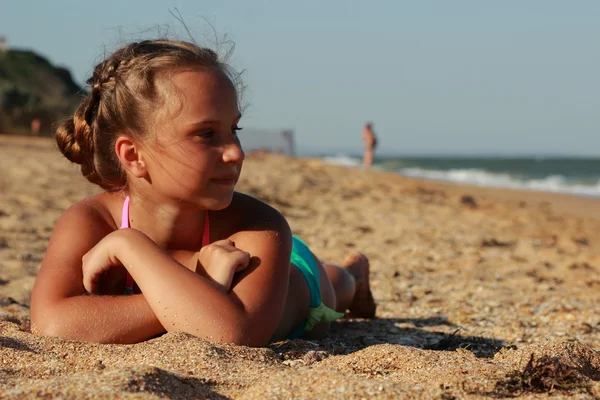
x: 520, y: 178
x: 479, y: 177
x: 343, y: 160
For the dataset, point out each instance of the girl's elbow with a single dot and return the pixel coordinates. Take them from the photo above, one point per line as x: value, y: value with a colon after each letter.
x: 46, y: 320
x: 59, y: 327
x: 48, y: 327
x: 250, y: 332
x: 237, y: 335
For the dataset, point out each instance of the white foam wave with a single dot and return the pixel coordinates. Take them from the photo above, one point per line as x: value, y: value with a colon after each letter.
x: 479, y: 177
x: 343, y: 160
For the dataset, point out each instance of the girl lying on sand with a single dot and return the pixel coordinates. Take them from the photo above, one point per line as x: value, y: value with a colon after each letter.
x: 169, y: 245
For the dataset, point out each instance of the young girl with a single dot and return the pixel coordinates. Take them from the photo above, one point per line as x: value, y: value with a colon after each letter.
x: 169, y: 245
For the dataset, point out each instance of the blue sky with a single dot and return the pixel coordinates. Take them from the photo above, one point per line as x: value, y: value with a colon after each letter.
x: 466, y: 77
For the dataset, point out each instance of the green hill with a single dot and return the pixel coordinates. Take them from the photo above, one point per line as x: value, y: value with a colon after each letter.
x: 32, y: 88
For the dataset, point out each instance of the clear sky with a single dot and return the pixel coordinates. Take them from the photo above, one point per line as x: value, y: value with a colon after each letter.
x: 468, y: 77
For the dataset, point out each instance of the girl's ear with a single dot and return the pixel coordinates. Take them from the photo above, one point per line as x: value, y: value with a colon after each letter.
x: 130, y: 157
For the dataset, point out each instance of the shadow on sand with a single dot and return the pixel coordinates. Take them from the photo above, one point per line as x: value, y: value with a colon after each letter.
x: 350, y: 335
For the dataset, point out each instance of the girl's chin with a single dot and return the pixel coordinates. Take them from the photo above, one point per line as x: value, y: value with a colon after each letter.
x: 219, y: 204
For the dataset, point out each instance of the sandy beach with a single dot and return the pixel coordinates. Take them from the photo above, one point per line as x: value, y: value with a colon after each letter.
x: 482, y: 293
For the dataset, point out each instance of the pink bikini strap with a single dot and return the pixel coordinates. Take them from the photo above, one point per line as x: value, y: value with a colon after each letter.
x: 124, y: 225
x: 125, y: 214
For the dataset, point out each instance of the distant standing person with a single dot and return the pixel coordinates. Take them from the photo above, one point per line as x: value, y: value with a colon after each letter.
x: 36, y: 124
x: 370, y: 142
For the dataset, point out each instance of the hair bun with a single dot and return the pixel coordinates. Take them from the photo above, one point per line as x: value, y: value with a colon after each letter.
x: 67, y: 144
x: 75, y: 141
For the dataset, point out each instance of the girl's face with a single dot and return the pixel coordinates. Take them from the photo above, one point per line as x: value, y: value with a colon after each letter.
x: 195, y: 155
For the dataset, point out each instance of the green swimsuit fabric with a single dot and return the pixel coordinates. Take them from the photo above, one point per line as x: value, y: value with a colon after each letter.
x: 303, y: 259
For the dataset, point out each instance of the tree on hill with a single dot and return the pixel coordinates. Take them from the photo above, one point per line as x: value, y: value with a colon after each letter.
x: 33, y: 89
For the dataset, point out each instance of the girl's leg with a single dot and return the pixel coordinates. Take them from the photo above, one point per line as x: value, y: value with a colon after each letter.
x: 347, y: 287
x: 344, y: 288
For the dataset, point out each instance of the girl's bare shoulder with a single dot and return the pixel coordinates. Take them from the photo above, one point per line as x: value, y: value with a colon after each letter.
x: 100, y: 212
x: 249, y: 213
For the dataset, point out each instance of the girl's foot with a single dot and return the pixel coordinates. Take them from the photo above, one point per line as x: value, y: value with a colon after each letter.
x: 363, y: 305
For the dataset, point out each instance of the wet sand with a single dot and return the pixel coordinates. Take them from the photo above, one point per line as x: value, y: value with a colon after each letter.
x: 481, y: 293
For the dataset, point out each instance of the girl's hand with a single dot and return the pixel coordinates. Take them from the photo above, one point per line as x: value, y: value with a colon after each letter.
x: 220, y: 260
x: 97, y: 262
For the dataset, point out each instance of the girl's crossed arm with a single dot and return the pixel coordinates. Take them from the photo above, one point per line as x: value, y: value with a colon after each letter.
x: 60, y: 305
x: 174, y: 297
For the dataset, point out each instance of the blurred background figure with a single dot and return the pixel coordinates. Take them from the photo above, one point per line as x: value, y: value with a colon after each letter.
x: 36, y: 124
x: 369, y: 142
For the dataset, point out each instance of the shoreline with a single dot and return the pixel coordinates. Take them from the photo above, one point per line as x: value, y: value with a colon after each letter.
x: 579, y: 191
x: 571, y: 203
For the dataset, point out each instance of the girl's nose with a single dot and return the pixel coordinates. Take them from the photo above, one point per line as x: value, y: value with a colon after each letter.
x: 233, y: 152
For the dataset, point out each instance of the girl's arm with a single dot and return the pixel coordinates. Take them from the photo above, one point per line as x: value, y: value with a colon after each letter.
x: 173, y: 296
x: 185, y: 301
x: 60, y: 305
x: 101, y: 319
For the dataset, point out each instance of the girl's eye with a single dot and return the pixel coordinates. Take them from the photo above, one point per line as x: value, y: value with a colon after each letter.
x: 206, y: 134
x: 235, y: 129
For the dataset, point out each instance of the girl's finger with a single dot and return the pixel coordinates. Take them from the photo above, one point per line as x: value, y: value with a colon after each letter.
x: 243, y: 260
x: 223, y: 243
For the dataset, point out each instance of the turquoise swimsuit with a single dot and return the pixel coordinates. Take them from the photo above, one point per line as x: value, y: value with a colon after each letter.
x: 303, y: 259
